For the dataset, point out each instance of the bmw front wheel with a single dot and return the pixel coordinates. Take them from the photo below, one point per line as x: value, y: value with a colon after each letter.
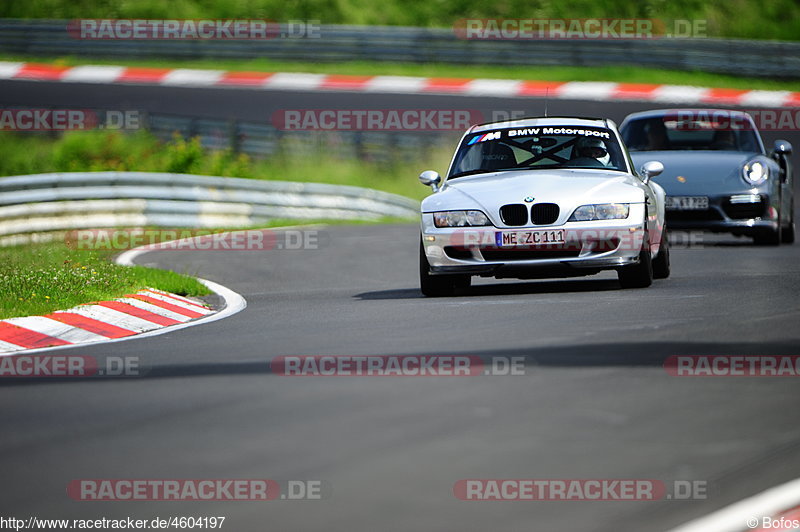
x: 438, y: 285
x: 661, y: 263
x: 639, y: 275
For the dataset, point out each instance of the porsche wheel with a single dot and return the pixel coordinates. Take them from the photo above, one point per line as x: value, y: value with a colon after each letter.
x: 768, y: 237
x: 439, y: 285
x: 787, y: 235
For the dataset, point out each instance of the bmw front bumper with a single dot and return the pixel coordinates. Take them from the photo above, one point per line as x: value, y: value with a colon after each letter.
x: 589, y: 247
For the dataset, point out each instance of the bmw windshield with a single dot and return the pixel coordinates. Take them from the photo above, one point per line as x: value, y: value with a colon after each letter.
x: 538, y: 147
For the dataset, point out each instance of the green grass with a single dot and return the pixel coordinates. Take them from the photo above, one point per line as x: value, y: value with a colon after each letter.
x: 750, y: 19
x: 621, y: 74
x: 26, y: 153
x: 40, y: 278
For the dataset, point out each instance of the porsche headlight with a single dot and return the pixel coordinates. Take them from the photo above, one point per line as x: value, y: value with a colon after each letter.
x: 755, y: 172
x: 604, y: 211
x: 460, y: 219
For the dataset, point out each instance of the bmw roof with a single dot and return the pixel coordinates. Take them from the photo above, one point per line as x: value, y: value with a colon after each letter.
x: 574, y: 121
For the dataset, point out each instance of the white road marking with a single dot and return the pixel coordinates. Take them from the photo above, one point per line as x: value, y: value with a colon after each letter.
x: 93, y: 74
x: 401, y: 84
x: 586, y: 90
x: 186, y: 300
x: 9, y: 70
x: 149, y: 307
x: 234, y: 303
x: 493, y: 87
x: 113, y: 317
x: 178, y: 302
x: 679, y: 94
x: 5, y: 346
x: 187, y: 77
x: 291, y: 80
x: 765, y: 98
x: 56, y: 329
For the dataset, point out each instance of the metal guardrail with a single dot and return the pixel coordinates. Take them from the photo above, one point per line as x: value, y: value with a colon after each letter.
x: 424, y: 45
x: 260, y: 140
x: 263, y: 139
x: 41, y: 203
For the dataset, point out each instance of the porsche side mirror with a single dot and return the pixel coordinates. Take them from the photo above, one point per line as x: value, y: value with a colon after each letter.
x: 782, y: 147
x: 650, y: 169
x: 781, y: 151
x: 430, y: 178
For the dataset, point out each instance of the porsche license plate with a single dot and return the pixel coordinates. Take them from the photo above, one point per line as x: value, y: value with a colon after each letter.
x: 686, y: 203
x: 530, y: 238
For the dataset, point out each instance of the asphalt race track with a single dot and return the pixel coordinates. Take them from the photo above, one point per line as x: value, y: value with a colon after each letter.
x: 595, y: 400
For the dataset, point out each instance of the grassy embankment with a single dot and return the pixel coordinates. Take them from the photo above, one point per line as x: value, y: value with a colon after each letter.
x: 40, y: 278
x: 744, y: 19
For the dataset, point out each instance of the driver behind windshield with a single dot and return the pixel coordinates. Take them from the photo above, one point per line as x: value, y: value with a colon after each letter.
x: 724, y: 139
x: 590, y: 152
x: 667, y: 133
x: 657, y: 138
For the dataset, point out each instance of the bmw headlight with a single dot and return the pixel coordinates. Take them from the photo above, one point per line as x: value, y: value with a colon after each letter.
x: 460, y: 219
x: 604, y: 211
x: 755, y: 172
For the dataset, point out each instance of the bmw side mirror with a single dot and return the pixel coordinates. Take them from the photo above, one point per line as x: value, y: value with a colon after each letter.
x: 782, y: 147
x: 650, y: 169
x: 430, y: 178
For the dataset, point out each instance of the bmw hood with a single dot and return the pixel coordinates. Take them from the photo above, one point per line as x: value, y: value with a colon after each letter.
x: 567, y: 188
x: 688, y: 173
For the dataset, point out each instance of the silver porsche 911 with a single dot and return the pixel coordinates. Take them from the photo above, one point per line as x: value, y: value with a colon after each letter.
x: 538, y: 198
x: 718, y: 176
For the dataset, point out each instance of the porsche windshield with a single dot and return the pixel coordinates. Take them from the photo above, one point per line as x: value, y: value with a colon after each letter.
x: 538, y: 147
x: 676, y: 132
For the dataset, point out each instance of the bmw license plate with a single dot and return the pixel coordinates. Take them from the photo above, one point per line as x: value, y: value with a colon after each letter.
x: 529, y: 238
x: 686, y: 203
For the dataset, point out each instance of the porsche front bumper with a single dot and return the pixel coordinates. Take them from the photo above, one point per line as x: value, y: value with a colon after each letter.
x: 745, y: 213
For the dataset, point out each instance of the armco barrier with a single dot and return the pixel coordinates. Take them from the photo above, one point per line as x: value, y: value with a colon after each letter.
x: 34, y: 204
x: 423, y: 45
